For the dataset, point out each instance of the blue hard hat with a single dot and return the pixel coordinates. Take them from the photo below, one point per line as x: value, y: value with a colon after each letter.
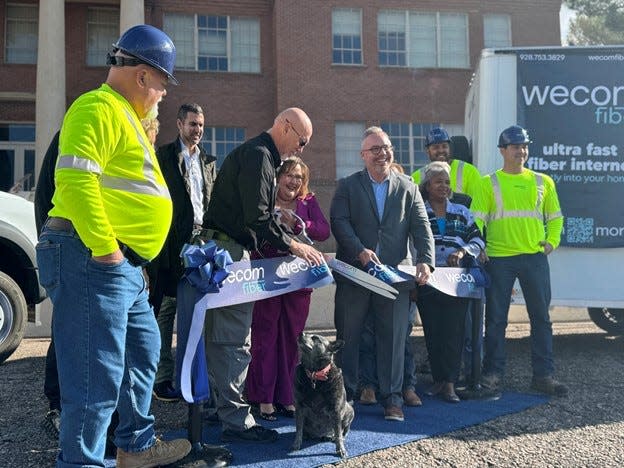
x: 151, y: 46
x: 514, y: 135
x: 437, y: 135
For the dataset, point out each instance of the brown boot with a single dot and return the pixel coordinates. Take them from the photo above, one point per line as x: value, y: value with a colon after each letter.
x: 411, y: 398
x: 161, y: 453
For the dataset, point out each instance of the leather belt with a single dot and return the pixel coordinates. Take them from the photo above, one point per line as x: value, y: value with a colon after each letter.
x: 133, y: 258
x: 63, y: 224
x: 60, y: 224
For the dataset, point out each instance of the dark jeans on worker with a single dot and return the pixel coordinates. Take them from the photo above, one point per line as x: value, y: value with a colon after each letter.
x: 533, y: 273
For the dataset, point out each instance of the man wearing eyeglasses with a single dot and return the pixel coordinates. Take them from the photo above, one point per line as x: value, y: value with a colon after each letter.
x: 240, y: 218
x: 373, y: 213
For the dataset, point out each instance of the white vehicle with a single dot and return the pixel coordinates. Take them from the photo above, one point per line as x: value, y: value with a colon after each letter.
x: 571, y: 101
x: 19, y: 280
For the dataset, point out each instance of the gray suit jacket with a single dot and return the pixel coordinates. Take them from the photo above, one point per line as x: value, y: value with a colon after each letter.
x: 356, y: 225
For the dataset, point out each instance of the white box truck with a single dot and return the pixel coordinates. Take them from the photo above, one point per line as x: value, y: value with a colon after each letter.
x: 571, y: 101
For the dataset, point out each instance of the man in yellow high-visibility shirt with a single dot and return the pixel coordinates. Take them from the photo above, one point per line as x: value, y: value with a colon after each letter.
x: 521, y: 212
x: 465, y: 178
x: 110, y: 217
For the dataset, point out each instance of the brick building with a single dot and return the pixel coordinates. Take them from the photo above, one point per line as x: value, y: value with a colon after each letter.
x: 404, y: 65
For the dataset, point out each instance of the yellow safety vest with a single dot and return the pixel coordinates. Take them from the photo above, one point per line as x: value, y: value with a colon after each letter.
x: 108, y: 181
x: 519, y: 211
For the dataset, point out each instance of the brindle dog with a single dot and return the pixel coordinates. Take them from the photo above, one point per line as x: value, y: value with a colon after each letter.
x: 322, y: 411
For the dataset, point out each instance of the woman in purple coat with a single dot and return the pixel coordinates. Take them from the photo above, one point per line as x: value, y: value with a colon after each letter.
x: 278, y: 321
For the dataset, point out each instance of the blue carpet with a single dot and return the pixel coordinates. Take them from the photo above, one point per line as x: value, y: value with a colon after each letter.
x: 369, y: 431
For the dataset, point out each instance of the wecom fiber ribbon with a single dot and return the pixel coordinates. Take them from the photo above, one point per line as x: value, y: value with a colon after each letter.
x: 458, y: 282
x: 212, y: 280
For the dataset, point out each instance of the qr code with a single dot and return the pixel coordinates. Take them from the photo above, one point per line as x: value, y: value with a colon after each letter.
x: 580, y: 230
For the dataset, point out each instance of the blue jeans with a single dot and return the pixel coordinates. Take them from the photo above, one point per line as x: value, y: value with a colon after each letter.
x: 107, y: 348
x: 533, y: 273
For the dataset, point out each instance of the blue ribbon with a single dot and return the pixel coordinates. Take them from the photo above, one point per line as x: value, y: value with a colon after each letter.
x: 206, y: 270
x: 206, y: 266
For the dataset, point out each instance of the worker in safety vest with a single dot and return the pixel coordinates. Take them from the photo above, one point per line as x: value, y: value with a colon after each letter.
x: 520, y: 210
x: 111, y: 215
x: 465, y: 178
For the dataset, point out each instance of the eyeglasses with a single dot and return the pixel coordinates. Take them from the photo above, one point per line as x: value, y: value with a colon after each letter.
x: 376, y: 150
x: 302, y: 141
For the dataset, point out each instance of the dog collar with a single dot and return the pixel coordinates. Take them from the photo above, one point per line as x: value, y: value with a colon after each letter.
x: 318, y: 375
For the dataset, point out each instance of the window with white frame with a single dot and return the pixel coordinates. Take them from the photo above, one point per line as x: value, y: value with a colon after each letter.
x: 348, y: 144
x: 102, y: 31
x: 22, y: 24
x: 408, y: 140
x: 496, y: 31
x: 422, y: 40
x: 391, y: 39
x: 219, y: 141
x: 215, y: 43
x: 347, y: 36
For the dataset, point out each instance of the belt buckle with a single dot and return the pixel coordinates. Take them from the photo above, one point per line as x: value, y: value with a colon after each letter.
x: 200, y: 236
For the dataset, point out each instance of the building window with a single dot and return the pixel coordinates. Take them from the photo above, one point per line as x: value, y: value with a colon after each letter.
x: 496, y: 31
x: 422, y: 40
x: 215, y: 43
x: 348, y: 145
x: 219, y: 141
x: 102, y: 31
x: 347, y: 36
x: 21, y: 33
x: 408, y: 140
x: 17, y: 157
x: 17, y: 132
x: 391, y: 39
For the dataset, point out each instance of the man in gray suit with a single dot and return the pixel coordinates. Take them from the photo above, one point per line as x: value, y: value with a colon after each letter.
x: 373, y: 213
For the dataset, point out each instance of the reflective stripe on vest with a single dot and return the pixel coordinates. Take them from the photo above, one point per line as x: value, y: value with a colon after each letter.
x: 149, y: 186
x: 71, y: 161
x: 459, y: 183
x: 501, y: 213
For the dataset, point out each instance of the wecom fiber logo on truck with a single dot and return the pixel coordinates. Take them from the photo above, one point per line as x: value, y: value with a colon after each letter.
x: 607, y: 101
x: 571, y: 100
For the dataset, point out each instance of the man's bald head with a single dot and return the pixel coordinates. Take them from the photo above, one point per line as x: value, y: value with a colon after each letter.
x: 291, y: 131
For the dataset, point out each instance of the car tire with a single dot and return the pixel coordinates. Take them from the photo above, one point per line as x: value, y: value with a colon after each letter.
x: 13, y: 316
x: 609, y: 319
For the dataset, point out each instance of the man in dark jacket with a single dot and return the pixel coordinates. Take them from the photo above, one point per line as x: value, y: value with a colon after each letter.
x: 240, y: 218
x: 190, y: 173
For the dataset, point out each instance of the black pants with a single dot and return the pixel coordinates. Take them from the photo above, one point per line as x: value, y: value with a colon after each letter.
x: 443, y: 319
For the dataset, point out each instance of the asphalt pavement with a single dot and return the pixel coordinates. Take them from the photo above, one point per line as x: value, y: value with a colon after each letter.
x: 586, y: 429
